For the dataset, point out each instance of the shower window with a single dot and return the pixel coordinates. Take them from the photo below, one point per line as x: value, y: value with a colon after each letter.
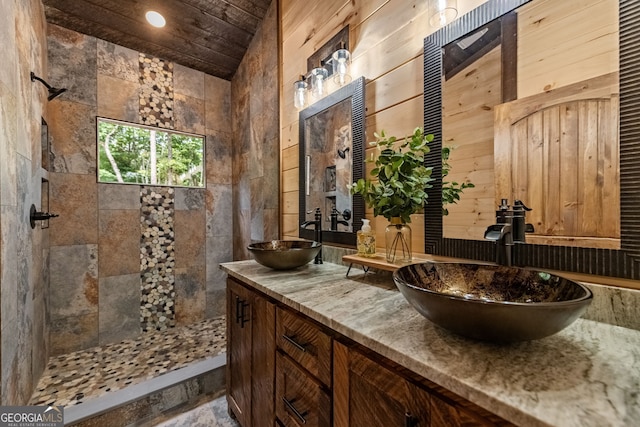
x: 145, y: 155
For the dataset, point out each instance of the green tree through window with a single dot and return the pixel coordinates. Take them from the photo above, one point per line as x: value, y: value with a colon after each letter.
x: 136, y: 154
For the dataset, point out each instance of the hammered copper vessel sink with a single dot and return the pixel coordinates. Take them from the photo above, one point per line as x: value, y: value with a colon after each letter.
x: 492, y: 303
x: 284, y: 254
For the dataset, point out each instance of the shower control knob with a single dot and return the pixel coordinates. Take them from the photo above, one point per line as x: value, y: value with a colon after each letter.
x: 34, y: 216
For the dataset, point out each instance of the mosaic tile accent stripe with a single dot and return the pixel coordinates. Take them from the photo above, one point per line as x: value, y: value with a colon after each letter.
x: 157, y: 258
x: 74, y: 378
x: 156, y: 92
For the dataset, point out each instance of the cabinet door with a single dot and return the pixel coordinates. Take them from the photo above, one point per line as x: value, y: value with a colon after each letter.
x: 239, y: 352
x: 300, y: 399
x: 368, y: 395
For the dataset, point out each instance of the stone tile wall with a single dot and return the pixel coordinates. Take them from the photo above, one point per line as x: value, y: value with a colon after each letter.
x: 125, y: 275
x: 23, y: 251
x: 256, y: 155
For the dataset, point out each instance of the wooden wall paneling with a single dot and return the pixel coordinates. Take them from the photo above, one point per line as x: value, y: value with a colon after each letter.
x: 551, y: 158
x: 290, y: 225
x: 584, y: 35
x: 568, y: 149
x: 468, y: 127
x: 289, y: 135
x: 399, y: 85
x: 290, y: 158
x: 290, y: 201
x: 399, y: 119
x: 290, y: 180
x: 610, y: 156
x: 388, y: 19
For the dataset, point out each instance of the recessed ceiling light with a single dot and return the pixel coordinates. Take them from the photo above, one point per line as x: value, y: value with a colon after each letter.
x: 155, y: 19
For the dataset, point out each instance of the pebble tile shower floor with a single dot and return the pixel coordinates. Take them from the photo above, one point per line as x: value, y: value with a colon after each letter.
x: 75, y: 378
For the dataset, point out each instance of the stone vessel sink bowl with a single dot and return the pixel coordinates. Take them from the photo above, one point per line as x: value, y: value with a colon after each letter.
x: 284, y: 254
x: 492, y: 303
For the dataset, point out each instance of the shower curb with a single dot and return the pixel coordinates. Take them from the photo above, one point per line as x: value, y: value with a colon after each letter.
x: 119, y: 398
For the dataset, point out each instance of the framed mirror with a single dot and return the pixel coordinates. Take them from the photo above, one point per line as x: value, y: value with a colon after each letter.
x: 619, y: 258
x: 332, y: 133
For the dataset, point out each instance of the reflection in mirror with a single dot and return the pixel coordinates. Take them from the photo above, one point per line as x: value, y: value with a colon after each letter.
x: 328, y: 164
x: 545, y: 78
x: 331, y: 158
x: 537, y: 120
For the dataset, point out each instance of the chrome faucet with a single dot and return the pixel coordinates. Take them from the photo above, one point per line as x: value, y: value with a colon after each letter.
x: 501, y: 233
x: 317, y: 228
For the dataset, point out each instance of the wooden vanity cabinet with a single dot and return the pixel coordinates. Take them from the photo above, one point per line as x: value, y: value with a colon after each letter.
x: 250, y: 356
x: 368, y: 394
x: 286, y: 370
x: 303, y: 372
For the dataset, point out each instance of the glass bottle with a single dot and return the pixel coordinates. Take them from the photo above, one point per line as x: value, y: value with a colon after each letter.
x: 366, y: 240
x: 397, y: 238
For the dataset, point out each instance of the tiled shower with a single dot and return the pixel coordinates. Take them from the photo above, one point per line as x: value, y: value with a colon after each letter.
x: 127, y: 259
x: 76, y: 296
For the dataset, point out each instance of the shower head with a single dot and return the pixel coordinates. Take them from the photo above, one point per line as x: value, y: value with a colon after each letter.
x: 53, y: 91
x: 343, y: 153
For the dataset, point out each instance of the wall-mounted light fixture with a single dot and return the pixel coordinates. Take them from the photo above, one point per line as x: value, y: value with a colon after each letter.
x: 313, y: 86
x: 53, y: 91
x: 441, y: 12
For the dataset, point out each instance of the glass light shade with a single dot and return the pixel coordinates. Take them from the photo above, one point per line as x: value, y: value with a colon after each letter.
x: 341, y: 59
x: 318, y: 79
x: 300, y: 94
x: 441, y: 12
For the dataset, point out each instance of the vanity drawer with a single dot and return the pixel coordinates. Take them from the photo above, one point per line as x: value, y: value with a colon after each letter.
x: 305, y: 343
x: 300, y: 399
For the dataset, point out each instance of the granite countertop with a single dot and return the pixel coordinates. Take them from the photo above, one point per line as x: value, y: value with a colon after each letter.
x: 586, y: 375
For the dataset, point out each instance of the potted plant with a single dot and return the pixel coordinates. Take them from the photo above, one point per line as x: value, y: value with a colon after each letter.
x: 399, y: 188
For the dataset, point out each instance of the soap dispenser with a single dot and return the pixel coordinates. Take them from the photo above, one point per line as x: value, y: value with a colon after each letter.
x: 366, y: 240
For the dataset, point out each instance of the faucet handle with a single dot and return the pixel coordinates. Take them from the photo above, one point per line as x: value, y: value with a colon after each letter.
x: 517, y: 204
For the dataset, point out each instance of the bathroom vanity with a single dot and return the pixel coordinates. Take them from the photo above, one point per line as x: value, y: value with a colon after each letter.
x: 313, y: 347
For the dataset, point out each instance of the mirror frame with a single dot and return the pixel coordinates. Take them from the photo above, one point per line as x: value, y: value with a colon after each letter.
x: 624, y: 263
x: 354, y: 91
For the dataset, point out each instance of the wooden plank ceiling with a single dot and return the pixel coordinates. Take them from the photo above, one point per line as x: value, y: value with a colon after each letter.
x: 207, y: 35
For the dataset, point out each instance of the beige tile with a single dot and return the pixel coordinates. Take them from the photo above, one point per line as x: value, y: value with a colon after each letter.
x: 190, y: 295
x: 74, y: 198
x: 218, y: 103
x: 119, y: 242
x: 119, y: 313
x: 189, y: 82
x: 73, y: 333
x: 118, y: 99
x: 189, y: 114
x: 117, y: 61
x: 118, y: 196
x: 218, y: 157
x: 73, y: 289
x: 189, y: 238
x: 72, y: 133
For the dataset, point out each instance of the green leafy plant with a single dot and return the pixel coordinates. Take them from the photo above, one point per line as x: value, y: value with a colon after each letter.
x: 401, y: 179
x: 451, y: 191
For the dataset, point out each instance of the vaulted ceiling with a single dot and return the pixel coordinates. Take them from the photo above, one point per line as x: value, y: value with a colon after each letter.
x: 207, y: 35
